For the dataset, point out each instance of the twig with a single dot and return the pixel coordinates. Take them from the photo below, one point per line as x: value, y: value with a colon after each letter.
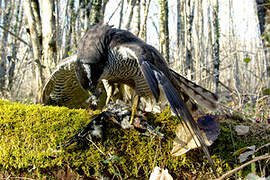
x: 25, y: 178
x: 17, y: 37
x: 89, y: 139
x: 266, y: 156
x: 114, y: 12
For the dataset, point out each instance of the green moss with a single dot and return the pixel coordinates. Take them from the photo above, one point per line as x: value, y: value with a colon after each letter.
x: 31, y: 134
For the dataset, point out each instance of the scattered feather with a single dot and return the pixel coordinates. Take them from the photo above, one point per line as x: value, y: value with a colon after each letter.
x: 252, y: 176
x: 185, y: 140
x: 244, y: 156
x: 160, y: 174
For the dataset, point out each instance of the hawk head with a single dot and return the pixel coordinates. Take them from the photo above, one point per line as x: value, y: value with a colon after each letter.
x: 92, y: 56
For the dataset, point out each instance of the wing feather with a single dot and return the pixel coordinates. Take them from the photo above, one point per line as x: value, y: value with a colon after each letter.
x: 150, y: 78
x: 63, y: 88
x: 198, y: 93
x: 154, y: 76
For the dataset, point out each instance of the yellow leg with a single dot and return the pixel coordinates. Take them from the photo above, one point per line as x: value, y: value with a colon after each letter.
x: 134, y: 108
x: 109, y: 90
x: 108, y: 98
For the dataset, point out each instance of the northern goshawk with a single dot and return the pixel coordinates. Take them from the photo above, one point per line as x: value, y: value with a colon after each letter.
x: 117, y: 56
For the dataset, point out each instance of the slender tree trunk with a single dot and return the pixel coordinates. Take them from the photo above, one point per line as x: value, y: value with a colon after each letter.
x: 40, y: 18
x: 1, y: 12
x: 31, y: 10
x: 49, y: 50
x: 189, y: 44
x: 216, y: 46
x: 146, y: 5
x: 59, y: 30
x: 73, y: 33
x: 121, y: 14
x: 137, y: 18
x: 102, y: 12
x: 197, y: 41
x: 70, y: 34
x: 95, y: 15
x: 129, y: 14
x: 164, y: 30
x: 14, y: 46
x: 6, y: 23
x: 178, y: 16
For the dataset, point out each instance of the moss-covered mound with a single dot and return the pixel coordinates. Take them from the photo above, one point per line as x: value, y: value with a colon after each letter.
x: 32, y: 135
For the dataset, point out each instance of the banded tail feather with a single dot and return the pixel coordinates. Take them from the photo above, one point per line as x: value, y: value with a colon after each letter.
x: 201, y: 95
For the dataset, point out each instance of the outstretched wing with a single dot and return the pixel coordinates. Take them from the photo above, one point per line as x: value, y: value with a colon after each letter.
x: 155, y: 79
x: 63, y: 87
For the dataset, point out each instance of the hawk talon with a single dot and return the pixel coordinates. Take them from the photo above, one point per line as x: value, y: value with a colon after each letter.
x: 143, y: 125
x: 134, y: 108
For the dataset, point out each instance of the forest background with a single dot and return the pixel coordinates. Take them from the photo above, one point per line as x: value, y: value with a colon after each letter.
x: 221, y: 45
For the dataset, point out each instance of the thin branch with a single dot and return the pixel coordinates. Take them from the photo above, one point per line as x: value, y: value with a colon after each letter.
x: 17, y: 37
x: 114, y: 12
x: 266, y: 156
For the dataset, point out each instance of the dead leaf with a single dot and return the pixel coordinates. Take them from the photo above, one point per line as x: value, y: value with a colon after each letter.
x: 186, y: 140
x: 252, y: 176
x: 160, y: 174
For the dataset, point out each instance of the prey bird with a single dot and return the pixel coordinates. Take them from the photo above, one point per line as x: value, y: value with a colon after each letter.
x: 109, y: 55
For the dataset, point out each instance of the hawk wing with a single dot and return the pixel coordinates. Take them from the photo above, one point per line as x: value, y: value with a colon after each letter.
x: 63, y: 87
x: 159, y: 76
x: 156, y: 78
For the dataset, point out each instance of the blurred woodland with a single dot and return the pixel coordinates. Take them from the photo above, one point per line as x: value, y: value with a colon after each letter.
x: 222, y: 45
x: 211, y: 42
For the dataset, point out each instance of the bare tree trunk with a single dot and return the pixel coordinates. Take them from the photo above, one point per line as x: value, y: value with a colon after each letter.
x: 95, y: 15
x: 236, y: 70
x: 137, y: 18
x: 178, y: 16
x: 70, y: 29
x: 146, y: 5
x: 73, y: 33
x: 121, y: 14
x: 31, y: 10
x: 13, y: 59
x: 129, y: 14
x: 216, y: 46
x: 1, y: 12
x: 104, y: 4
x: 6, y: 23
x: 59, y: 29
x: 189, y: 44
x: 164, y: 30
x: 196, y: 37
x: 84, y: 14
x: 49, y: 50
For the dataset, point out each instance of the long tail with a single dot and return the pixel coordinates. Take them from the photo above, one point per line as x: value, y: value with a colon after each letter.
x: 155, y: 78
x: 198, y: 93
